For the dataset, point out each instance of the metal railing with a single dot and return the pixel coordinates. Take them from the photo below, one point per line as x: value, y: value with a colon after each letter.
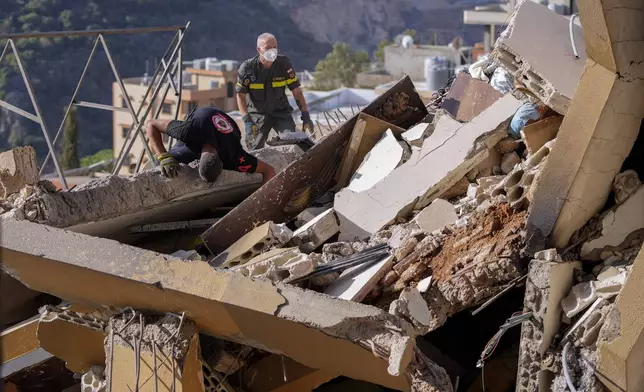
x: 170, y: 68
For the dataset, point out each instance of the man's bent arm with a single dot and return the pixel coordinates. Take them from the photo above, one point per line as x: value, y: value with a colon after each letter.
x: 154, y: 129
x: 266, y: 170
x: 241, y: 104
x: 298, y: 94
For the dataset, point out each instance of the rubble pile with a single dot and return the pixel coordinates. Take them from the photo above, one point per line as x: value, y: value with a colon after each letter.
x: 399, y: 227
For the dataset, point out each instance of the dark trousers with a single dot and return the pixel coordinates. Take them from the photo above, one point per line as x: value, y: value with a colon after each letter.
x: 266, y: 123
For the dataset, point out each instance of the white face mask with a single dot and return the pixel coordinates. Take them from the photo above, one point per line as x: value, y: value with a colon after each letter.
x: 270, y: 55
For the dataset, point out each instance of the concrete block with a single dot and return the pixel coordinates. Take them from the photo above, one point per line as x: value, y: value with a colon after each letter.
x: 313, y: 329
x: 581, y: 297
x: 508, y: 145
x: 625, y: 184
x: 355, y: 283
x: 381, y: 160
x: 541, y: 58
x: 411, y: 306
x: 446, y: 157
x: 280, y: 265
x: 617, y: 226
x: 435, y: 216
x: 537, y: 134
x: 94, y: 380
x: 509, y: 161
x: 17, y: 168
x: 415, y: 135
x: 317, y: 231
x: 548, y: 255
x: 252, y: 244
x: 307, y: 215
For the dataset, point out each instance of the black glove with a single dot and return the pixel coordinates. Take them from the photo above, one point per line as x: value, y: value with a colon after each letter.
x: 250, y: 126
x: 169, y: 165
x: 307, y: 124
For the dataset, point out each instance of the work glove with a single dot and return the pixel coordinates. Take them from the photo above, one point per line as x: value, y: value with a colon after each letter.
x: 307, y: 124
x: 169, y: 165
x: 250, y: 126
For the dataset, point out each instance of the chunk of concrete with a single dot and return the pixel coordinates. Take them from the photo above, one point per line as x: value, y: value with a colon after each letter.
x: 509, y: 161
x: 252, y: 244
x: 617, y: 226
x: 548, y: 255
x: 424, y: 284
x: 584, y: 294
x: 317, y: 231
x: 508, y: 145
x: 17, y: 168
x: 625, y: 184
x: 537, y: 134
x: 383, y: 158
x: 280, y: 265
x: 307, y: 215
x: 446, y: 157
x: 412, y: 307
x: 437, y: 215
x: 355, y: 283
x: 468, y: 97
x: 457, y: 190
x: 415, y: 135
x: 542, y: 58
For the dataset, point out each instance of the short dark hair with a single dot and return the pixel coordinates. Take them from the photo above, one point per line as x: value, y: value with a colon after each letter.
x: 210, y: 166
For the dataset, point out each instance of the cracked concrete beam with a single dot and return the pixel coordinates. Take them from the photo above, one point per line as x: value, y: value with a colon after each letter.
x: 313, y: 329
x: 105, y: 207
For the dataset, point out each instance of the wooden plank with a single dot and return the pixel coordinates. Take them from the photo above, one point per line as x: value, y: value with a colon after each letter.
x: 367, y: 132
x: 305, y: 179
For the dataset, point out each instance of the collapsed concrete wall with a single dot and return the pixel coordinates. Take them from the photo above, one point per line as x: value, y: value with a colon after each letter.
x: 599, y: 129
x: 315, y: 330
x: 105, y: 207
x: 542, y: 57
x: 447, y: 155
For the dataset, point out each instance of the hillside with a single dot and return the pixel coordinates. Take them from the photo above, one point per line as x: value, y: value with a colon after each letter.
x: 305, y: 29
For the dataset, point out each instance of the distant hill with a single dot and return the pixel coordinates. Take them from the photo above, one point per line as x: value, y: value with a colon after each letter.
x: 224, y: 29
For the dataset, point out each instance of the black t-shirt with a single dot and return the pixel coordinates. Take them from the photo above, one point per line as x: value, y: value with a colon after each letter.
x: 211, y: 126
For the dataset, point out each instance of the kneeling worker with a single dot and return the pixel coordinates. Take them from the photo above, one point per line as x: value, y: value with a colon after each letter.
x: 209, y: 135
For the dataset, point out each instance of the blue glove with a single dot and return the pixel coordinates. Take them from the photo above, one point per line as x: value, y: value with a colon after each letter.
x: 249, y: 126
x: 307, y: 124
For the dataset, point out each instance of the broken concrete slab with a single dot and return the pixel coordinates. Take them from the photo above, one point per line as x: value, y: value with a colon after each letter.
x: 437, y: 215
x: 355, y: 283
x: 619, y: 359
x: 416, y: 134
x: 58, y: 327
x: 618, y: 227
x: 537, y: 134
x: 311, y: 175
x: 542, y: 58
x: 468, y: 97
x: 446, y: 157
x: 546, y: 286
x: 17, y: 168
x: 508, y: 145
x: 280, y: 265
x: 594, y: 138
x: 105, y: 207
x: 412, y: 307
x: 317, y: 231
x: 313, y: 329
x: 253, y: 244
x: 381, y: 160
x: 307, y: 215
x: 625, y: 184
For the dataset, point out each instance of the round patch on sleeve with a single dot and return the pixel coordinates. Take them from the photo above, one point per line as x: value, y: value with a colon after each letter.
x: 222, y: 124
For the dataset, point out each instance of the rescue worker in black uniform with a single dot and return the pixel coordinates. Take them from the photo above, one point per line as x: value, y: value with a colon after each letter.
x: 265, y: 78
x: 208, y: 135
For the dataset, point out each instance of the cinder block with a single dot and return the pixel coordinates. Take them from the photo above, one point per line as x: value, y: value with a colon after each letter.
x: 17, y: 168
x: 317, y: 231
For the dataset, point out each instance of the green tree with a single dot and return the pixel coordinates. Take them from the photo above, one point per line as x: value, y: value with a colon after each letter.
x: 379, y: 53
x: 70, y: 141
x: 340, y: 67
x: 102, y: 155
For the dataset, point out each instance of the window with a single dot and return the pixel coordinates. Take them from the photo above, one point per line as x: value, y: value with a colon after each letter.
x: 214, y: 84
x: 166, y: 108
x: 231, y: 89
x: 125, y: 131
x: 124, y: 104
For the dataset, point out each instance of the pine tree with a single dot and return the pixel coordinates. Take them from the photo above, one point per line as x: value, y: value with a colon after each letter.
x: 70, y: 142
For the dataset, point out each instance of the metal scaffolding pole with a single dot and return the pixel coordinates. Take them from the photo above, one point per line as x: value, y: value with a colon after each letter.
x: 81, y: 33
x: 130, y: 143
x: 41, y: 120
